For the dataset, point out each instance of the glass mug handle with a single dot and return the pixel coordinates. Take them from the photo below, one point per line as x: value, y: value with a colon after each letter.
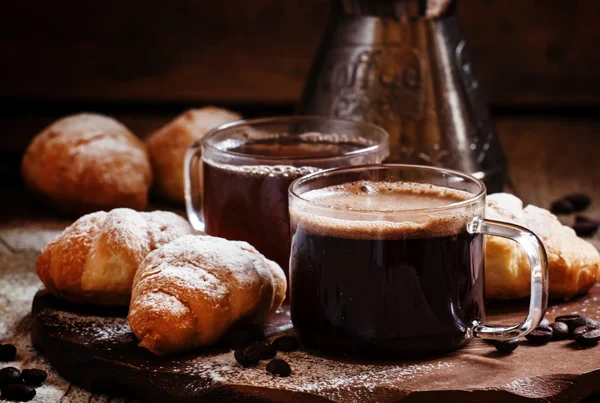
x: 192, y: 187
x: 539, y: 279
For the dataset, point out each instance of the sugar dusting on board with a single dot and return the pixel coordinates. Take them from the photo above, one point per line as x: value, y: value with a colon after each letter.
x: 329, y: 378
x: 97, y: 328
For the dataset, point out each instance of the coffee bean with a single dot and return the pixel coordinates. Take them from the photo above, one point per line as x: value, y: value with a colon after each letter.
x: 242, y: 335
x: 506, y: 346
x: 279, y: 368
x: 7, y: 352
x: 562, y: 206
x: 247, y: 356
x: 34, y: 376
x: 544, y: 322
x: 585, y: 229
x: 567, y: 318
x: 580, y: 201
x: 10, y: 376
x: 581, y: 218
x: 560, y: 331
x: 583, y: 329
x: 20, y: 393
x: 581, y: 321
x: 588, y: 339
x: 267, y: 351
x: 286, y: 343
x: 240, y: 357
x: 541, y: 335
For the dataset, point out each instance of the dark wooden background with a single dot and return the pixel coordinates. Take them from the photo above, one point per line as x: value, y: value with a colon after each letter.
x: 528, y: 52
x: 146, y: 61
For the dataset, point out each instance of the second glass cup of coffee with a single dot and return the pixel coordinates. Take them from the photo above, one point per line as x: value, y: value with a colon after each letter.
x: 237, y: 176
x: 388, y: 261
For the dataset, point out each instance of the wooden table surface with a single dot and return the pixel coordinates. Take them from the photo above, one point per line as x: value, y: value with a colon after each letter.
x: 549, y: 156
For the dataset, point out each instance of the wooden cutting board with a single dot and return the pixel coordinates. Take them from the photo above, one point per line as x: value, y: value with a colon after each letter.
x: 95, y: 348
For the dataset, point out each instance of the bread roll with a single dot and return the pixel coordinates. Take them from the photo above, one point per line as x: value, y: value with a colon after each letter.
x: 94, y: 260
x: 87, y: 162
x: 168, y: 145
x: 573, y: 264
x: 189, y: 292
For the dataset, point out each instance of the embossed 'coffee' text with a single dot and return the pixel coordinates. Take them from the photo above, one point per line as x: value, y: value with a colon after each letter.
x: 376, y: 84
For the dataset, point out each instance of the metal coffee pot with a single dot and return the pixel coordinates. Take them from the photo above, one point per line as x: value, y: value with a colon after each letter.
x: 403, y: 65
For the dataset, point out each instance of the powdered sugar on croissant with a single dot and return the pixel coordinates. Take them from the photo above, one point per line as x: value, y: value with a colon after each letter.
x: 573, y: 263
x: 95, y: 259
x: 189, y: 292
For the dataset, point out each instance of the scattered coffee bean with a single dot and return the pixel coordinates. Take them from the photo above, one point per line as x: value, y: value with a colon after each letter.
x: 562, y: 206
x: 506, y: 346
x: 560, y: 331
x: 242, y: 335
x: 582, y: 329
x: 34, y: 376
x: 10, y: 376
x: 566, y: 318
x: 20, y: 393
x: 544, y: 322
x: 585, y: 228
x: 580, y: 201
x: 7, y: 352
x: 267, y: 351
x: 541, y: 335
x: 581, y: 321
x: 247, y: 356
x: 286, y: 343
x: 279, y: 368
x: 588, y: 339
x: 581, y: 218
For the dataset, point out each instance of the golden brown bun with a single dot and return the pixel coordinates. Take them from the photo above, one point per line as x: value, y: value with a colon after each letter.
x: 573, y: 264
x: 95, y: 259
x: 87, y: 162
x: 167, y: 146
x: 189, y: 292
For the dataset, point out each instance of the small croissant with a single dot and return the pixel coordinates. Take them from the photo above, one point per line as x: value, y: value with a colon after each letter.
x: 95, y: 259
x: 188, y: 293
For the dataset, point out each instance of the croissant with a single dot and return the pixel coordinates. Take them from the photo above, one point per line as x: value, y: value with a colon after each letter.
x: 88, y: 162
x: 189, y: 292
x: 95, y: 259
x: 573, y: 263
x: 167, y: 146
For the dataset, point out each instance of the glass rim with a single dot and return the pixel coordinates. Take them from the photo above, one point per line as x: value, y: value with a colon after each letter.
x: 381, y: 146
x: 319, y: 174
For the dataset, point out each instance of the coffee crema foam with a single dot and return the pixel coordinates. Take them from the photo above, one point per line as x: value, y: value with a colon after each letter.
x: 385, y: 207
x: 262, y: 171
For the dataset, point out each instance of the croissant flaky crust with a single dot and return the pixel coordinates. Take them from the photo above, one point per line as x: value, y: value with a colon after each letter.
x: 573, y: 263
x: 189, y: 292
x: 95, y: 259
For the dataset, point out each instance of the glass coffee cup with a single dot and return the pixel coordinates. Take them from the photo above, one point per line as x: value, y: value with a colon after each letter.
x: 388, y: 261
x: 237, y: 176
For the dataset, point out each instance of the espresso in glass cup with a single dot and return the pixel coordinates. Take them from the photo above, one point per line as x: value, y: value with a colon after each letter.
x: 245, y: 168
x: 388, y: 261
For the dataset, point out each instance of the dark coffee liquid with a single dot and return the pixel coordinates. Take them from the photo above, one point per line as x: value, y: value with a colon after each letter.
x: 250, y: 203
x: 375, y: 290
